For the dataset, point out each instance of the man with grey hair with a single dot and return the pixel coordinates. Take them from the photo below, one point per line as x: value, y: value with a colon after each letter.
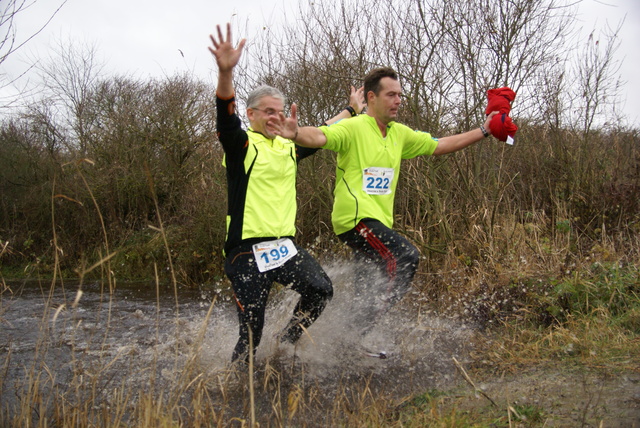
x: 261, y: 177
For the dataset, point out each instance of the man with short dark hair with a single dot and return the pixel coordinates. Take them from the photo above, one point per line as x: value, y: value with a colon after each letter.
x: 370, y: 149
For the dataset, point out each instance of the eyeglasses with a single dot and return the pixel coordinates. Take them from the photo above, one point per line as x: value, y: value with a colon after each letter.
x: 269, y: 111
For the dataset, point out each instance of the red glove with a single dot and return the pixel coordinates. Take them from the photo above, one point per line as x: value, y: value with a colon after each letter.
x: 501, y: 124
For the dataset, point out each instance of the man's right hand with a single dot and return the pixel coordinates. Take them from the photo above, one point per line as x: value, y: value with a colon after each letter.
x: 226, y: 55
x: 287, y: 127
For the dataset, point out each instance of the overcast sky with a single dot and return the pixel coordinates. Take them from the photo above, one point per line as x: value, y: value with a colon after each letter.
x: 161, y: 37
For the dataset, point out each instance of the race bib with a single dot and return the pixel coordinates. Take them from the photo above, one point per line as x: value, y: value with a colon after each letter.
x: 272, y: 254
x: 377, y: 180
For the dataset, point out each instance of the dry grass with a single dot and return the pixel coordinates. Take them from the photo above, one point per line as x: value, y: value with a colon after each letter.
x: 543, y: 287
x: 504, y: 294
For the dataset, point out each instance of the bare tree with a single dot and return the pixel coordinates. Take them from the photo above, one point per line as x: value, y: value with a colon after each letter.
x: 9, y: 42
x: 597, y: 86
x: 71, y: 75
x: 448, y: 53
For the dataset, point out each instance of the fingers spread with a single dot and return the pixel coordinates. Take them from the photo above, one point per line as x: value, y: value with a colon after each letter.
x: 229, y: 32
x: 220, y: 34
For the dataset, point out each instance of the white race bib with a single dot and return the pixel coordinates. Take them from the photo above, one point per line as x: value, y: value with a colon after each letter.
x: 272, y: 254
x: 377, y: 180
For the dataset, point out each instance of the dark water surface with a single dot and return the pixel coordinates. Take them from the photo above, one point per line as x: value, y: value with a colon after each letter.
x: 139, y: 338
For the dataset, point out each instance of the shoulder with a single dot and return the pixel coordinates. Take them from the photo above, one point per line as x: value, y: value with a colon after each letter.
x: 401, y: 128
x: 351, y: 124
x: 285, y: 142
x: 404, y: 131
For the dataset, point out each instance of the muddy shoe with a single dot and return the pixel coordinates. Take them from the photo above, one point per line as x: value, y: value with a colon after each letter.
x: 291, y: 334
x: 236, y: 375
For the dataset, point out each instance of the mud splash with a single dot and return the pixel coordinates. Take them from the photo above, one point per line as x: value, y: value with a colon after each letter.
x: 146, y: 340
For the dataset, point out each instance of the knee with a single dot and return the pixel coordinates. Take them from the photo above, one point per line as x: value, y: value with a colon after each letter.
x: 410, y: 256
x: 317, y: 290
x: 326, y: 289
x: 322, y: 287
x: 407, y: 263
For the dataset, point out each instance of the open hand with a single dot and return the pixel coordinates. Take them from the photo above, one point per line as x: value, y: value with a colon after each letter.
x: 356, y: 99
x: 287, y: 127
x: 226, y: 55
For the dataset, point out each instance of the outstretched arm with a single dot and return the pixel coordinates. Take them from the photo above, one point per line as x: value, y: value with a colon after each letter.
x: 307, y: 136
x: 310, y: 136
x: 457, y: 142
x: 227, y: 58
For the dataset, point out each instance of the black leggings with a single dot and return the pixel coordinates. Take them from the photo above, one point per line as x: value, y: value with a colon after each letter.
x: 378, y: 247
x: 251, y: 288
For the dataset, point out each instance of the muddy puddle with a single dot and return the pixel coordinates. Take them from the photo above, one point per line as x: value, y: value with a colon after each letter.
x: 77, y: 339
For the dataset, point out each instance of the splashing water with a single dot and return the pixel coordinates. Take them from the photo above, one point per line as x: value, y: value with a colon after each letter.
x: 145, y: 340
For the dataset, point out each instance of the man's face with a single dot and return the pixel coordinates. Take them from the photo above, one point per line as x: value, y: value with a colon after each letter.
x: 265, y: 115
x: 384, y: 106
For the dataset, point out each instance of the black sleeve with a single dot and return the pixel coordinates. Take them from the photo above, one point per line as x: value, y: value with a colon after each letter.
x: 230, y: 133
x: 305, y: 152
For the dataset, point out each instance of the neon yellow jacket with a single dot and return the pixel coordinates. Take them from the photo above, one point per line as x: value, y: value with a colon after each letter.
x: 261, y: 180
x: 361, y: 148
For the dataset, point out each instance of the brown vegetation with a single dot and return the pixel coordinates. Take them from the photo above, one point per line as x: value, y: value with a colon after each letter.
x: 123, y: 143
x: 535, y: 242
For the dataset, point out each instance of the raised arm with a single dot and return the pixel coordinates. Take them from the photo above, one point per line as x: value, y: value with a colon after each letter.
x: 355, y: 107
x: 453, y: 143
x: 227, y: 58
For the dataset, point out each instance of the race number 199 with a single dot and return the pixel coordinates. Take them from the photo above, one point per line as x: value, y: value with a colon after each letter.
x: 272, y: 254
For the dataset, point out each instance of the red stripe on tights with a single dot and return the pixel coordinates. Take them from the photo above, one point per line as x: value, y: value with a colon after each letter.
x: 377, y: 245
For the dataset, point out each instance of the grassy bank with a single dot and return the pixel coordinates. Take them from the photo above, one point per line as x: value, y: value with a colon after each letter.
x: 556, y: 341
